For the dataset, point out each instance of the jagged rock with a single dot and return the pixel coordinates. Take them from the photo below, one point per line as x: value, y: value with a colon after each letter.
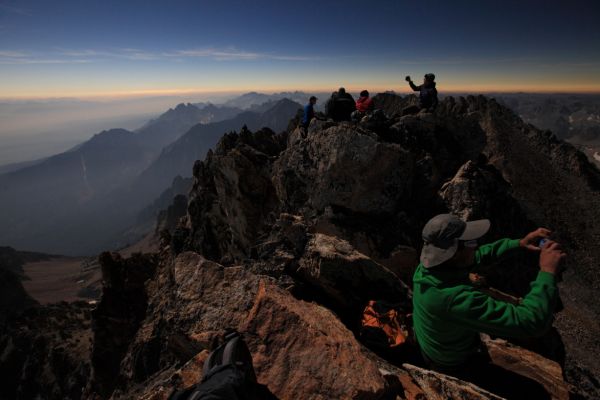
x: 438, y: 386
x: 312, y: 175
x: 280, y: 250
x: 165, y: 384
x: 300, y: 349
x: 233, y: 196
x: 348, y: 278
x: 169, y: 219
x: 45, y: 353
x: 479, y: 191
x: 529, y: 364
x: 402, y: 262
x: 13, y: 298
x: 340, y: 198
x: 121, y: 309
x: 342, y: 166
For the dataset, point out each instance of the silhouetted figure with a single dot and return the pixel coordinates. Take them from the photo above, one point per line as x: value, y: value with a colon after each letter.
x: 428, y: 99
x: 309, y: 112
x: 340, y: 106
x: 449, y: 312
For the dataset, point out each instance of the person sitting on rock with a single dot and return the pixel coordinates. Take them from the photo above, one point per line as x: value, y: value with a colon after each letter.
x: 428, y: 99
x: 309, y: 112
x: 364, y: 105
x: 449, y: 312
x: 340, y: 106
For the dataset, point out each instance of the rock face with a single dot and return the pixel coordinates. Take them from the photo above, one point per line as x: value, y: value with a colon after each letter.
x: 300, y: 349
x: 233, y: 194
x: 348, y: 278
x: 288, y: 235
x: 335, y: 167
x: 322, y: 212
x: 121, y: 310
x: 45, y: 353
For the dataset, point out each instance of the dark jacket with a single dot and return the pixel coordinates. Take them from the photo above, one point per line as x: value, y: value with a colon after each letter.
x: 427, y: 96
x: 309, y: 113
x: 340, y: 106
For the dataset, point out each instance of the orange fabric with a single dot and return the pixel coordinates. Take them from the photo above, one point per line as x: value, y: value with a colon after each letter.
x: 387, y: 322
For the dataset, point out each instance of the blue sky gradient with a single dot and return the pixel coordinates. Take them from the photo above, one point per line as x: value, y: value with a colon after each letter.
x: 85, y: 48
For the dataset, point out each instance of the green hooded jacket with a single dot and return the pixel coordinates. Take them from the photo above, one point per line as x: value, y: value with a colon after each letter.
x: 449, y: 312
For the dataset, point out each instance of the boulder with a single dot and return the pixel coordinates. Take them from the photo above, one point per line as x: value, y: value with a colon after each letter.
x: 300, y: 350
x: 233, y: 197
x: 348, y: 279
x: 437, y: 386
x: 478, y: 191
x: 528, y: 364
x: 346, y: 167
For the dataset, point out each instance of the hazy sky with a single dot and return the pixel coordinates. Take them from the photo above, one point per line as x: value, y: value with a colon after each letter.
x: 79, y: 48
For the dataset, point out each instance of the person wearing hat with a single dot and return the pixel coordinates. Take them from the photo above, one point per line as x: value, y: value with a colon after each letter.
x: 449, y: 312
x: 428, y: 99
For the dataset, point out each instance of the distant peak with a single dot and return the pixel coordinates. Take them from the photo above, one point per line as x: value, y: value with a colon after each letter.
x: 182, y: 106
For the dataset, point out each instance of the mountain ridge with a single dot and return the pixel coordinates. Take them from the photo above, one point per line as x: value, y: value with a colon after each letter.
x: 106, y: 181
x: 288, y: 234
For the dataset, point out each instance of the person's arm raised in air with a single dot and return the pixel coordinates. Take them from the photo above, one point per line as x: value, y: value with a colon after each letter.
x: 412, y: 85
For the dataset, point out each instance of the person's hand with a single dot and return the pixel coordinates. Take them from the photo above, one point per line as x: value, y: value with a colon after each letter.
x: 408, y: 78
x: 551, y: 257
x: 530, y: 241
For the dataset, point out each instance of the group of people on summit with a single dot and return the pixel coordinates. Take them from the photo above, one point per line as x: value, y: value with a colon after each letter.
x: 341, y: 106
x: 450, y: 311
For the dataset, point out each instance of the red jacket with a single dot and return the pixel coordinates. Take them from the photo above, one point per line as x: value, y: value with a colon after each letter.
x: 364, y: 104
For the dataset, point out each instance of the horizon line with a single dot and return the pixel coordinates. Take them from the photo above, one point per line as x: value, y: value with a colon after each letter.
x: 121, y: 95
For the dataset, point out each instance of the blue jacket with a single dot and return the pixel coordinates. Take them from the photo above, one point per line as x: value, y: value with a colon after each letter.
x: 309, y: 113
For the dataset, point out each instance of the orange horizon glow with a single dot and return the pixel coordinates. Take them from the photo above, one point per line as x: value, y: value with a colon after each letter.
x: 397, y: 87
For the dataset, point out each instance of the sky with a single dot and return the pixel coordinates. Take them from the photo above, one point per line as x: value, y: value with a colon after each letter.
x: 122, y: 48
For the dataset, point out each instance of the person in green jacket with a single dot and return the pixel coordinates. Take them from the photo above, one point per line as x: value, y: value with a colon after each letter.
x: 449, y: 312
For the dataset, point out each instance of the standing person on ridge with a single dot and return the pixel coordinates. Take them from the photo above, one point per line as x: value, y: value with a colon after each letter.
x: 449, y: 312
x: 428, y: 99
x: 309, y: 112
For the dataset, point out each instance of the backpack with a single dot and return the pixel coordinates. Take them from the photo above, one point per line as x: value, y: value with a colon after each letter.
x: 383, y: 326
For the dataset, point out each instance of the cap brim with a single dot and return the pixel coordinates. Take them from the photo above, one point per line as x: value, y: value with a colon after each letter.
x: 432, y: 255
x: 475, y: 229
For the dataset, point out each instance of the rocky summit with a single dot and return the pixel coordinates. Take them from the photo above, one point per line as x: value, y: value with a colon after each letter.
x: 288, y: 235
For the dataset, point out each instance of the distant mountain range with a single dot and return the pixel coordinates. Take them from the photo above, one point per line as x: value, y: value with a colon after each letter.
x: 575, y: 117
x: 571, y: 117
x: 251, y: 99
x: 90, y: 198
x: 105, y: 192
